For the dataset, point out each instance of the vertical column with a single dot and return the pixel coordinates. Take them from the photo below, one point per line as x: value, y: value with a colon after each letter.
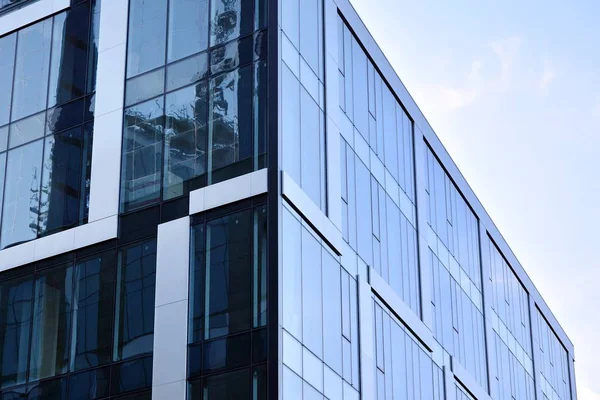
x: 367, y: 344
x: 332, y: 111
x: 571, y: 361
x: 487, y: 308
x: 108, y: 122
x: 421, y: 198
x: 171, y: 310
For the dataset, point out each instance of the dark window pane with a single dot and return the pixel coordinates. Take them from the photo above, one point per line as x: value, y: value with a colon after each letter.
x: 68, y: 66
x: 16, y: 301
x: 7, y: 65
x: 61, y: 181
x: 131, y: 375
x: 185, y: 139
x: 136, y: 280
x: 55, y: 389
x: 21, y: 194
x: 147, y: 35
x: 65, y: 117
x: 230, y: 125
x: 195, y: 360
x: 259, y: 346
x: 197, y: 285
x: 2, y: 175
x: 229, y: 386
x: 31, y: 70
x: 260, y: 115
x: 188, y: 28
x: 52, y: 312
x: 90, y: 385
x: 86, y: 173
x: 228, y: 353
x: 142, y: 149
x: 230, y: 20
x: 145, y: 86
x: 228, y: 275
x: 259, y: 272
x: 187, y: 71
x: 93, y: 45
x: 94, y: 297
x: 232, y: 55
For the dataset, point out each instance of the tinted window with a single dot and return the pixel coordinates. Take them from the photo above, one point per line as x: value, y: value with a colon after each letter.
x: 7, y: 63
x: 188, y: 28
x: 147, y: 35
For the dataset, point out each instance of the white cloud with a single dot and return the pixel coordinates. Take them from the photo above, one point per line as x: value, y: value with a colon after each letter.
x: 506, y: 50
x: 547, y: 77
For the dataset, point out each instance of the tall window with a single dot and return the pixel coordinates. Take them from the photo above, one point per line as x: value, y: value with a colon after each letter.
x: 195, y: 96
x: 46, y: 123
x: 228, y: 305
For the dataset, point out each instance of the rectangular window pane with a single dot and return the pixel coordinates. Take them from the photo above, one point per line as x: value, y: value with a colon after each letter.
x: 94, y: 302
x: 21, y: 194
x: 228, y: 275
x: 292, y: 275
x: 136, y: 283
x: 185, y: 140
x: 230, y: 20
x: 52, y: 312
x: 147, y: 35
x: 260, y: 266
x: 7, y: 65
x: 290, y: 115
x: 311, y: 147
x: 188, y: 28
x: 61, y: 181
x: 312, y: 294
x: 230, y: 125
x: 16, y: 301
x: 69, y: 55
x: 145, y: 86
x: 187, y: 71
x: 31, y: 69
x: 197, y: 285
x: 142, y: 149
x: 332, y: 313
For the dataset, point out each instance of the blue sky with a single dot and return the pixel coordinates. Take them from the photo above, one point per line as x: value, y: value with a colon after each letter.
x: 512, y: 89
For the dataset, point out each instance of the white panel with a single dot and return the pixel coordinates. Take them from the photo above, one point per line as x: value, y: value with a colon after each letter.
x: 469, y: 382
x: 48, y: 246
x: 29, y: 13
x: 172, y: 261
x: 229, y: 191
x: 170, y: 391
x: 170, y: 343
x: 110, y: 79
x: 113, y: 24
x: 309, y: 210
x: 367, y: 343
x: 17, y: 255
x: 399, y: 307
x: 106, y: 166
x: 96, y: 232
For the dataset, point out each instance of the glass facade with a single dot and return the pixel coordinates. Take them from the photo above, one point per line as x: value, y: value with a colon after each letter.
x: 277, y: 298
x: 80, y: 326
x: 195, y: 97
x: 46, y: 123
x: 227, y: 336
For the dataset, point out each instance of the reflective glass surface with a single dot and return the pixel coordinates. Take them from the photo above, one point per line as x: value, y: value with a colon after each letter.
x: 46, y: 89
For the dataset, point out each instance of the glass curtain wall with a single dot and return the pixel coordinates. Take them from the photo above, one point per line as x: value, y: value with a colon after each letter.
x: 195, y: 96
x: 79, y: 329
x: 511, y: 340
x: 454, y: 261
x: 227, y: 351
x: 46, y: 123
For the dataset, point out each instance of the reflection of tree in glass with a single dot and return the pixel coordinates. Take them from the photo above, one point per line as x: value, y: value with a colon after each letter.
x: 224, y: 120
x: 225, y: 22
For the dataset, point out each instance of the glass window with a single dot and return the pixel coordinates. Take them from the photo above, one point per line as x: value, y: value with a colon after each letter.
x: 312, y: 294
x: 187, y: 71
x: 227, y: 386
x: 131, y: 375
x: 21, y: 194
x: 90, y: 385
x: 188, y: 28
x: 292, y: 275
x: 31, y: 69
x: 311, y: 32
x: 53, y: 305
x: 230, y: 20
x: 142, y: 149
x: 332, y: 313
x: 228, y: 302
x: 145, y: 86
x: 16, y: 302
x: 7, y: 64
x: 26, y: 130
x: 361, y: 94
x: 260, y: 267
x: 290, y: 115
x: 2, y: 173
x: 185, y: 139
x: 94, y: 304
x: 136, y: 282
x: 147, y: 35
x: 363, y: 213
x: 230, y: 125
x: 61, y: 181
x: 311, y: 149
x: 68, y: 66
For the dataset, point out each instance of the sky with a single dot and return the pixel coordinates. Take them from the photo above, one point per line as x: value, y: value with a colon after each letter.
x: 512, y: 89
